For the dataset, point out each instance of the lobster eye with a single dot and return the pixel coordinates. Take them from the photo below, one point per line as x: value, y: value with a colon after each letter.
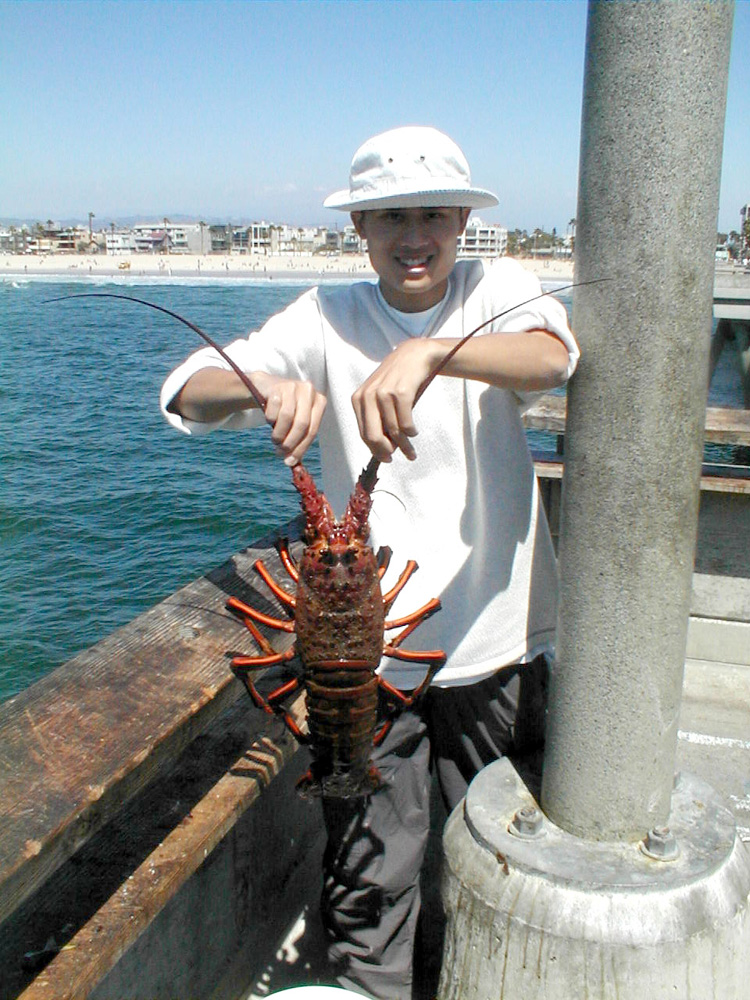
x: 349, y: 557
x: 326, y: 557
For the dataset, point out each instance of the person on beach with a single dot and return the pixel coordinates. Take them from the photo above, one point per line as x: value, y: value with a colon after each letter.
x: 456, y: 492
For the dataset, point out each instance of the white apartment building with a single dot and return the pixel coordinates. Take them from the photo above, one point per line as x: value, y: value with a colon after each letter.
x: 299, y: 240
x: 119, y: 241
x: 482, y: 240
x: 260, y: 237
x: 167, y: 237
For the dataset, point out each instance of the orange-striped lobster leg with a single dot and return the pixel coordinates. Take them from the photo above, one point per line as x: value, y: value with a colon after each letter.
x: 243, y: 665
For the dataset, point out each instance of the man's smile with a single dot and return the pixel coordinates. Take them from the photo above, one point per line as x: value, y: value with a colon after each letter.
x: 414, y: 262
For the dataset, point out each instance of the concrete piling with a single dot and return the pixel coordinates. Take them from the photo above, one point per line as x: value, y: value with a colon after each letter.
x: 619, y: 882
x: 652, y: 131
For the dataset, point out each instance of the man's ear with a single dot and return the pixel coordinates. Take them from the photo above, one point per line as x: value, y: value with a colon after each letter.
x: 465, y: 213
x: 357, y: 218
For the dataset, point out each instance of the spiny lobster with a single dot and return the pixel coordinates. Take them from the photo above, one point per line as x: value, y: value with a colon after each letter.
x: 339, y: 616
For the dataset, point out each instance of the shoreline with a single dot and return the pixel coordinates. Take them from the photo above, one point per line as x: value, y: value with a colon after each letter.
x: 278, y: 267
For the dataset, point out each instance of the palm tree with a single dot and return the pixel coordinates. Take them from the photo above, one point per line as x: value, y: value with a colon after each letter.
x: 572, y: 231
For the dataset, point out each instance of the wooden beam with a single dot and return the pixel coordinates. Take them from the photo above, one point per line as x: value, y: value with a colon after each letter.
x: 88, y: 955
x: 81, y: 742
x: 723, y: 425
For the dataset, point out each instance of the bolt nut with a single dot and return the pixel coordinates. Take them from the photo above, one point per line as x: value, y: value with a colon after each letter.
x: 660, y: 844
x: 527, y: 823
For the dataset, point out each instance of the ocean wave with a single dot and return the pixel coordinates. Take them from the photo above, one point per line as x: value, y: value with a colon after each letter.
x: 194, y: 281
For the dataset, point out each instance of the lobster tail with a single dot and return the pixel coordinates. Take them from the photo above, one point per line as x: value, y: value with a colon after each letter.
x: 319, y: 519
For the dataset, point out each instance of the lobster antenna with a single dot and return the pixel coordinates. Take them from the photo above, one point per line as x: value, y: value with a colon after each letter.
x: 196, y: 329
x: 369, y: 475
x: 439, y: 367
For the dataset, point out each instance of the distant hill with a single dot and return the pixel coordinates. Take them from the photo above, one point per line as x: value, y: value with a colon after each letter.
x: 124, y: 220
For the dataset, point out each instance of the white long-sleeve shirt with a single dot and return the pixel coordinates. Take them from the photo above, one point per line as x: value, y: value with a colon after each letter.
x: 468, y: 509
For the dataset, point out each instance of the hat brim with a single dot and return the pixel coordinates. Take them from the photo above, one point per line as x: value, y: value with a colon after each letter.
x: 439, y: 198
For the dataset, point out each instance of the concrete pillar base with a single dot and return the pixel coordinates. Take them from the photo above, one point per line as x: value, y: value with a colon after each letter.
x: 545, y: 914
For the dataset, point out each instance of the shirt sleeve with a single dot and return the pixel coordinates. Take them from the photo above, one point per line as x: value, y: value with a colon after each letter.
x: 290, y: 344
x: 543, y: 312
x: 534, y: 311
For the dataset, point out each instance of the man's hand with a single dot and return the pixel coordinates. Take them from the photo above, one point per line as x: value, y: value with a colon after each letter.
x: 383, y: 404
x: 294, y: 410
x: 525, y: 362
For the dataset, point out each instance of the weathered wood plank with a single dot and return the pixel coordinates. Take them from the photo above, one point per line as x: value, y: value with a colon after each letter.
x: 83, y: 740
x: 546, y: 414
x: 732, y: 303
x: 725, y: 484
x: 94, y: 950
x: 712, y: 484
x: 723, y: 425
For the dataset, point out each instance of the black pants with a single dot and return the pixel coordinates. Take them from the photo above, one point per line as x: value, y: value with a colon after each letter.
x: 376, y: 845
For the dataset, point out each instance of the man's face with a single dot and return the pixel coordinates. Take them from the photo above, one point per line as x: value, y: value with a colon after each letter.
x: 413, y: 251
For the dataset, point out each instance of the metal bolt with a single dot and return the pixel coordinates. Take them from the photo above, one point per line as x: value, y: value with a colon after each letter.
x: 527, y: 823
x: 661, y: 844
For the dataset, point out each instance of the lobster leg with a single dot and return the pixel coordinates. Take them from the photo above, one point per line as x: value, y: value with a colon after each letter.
x: 383, y: 558
x: 282, y: 547
x: 255, y: 632
x: 270, y: 705
x: 414, y: 618
x: 434, y: 657
x: 242, y: 665
x: 245, y: 611
x: 401, y: 700
x: 396, y: 589
x: 412, y: 621
x: 275, y: 589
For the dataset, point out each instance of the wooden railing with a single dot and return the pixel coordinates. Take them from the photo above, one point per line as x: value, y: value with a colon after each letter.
x: 100, y: 733
x: 723, y: 426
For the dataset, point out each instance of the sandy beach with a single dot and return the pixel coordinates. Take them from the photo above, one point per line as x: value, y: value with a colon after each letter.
x: 275, y: 267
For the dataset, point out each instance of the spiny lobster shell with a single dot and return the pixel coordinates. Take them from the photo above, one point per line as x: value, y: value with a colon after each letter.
x: 339, y: 620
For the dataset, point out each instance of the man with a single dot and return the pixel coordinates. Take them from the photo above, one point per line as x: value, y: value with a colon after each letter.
x: 457, y: 493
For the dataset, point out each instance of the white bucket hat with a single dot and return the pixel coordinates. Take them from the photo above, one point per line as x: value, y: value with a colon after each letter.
x: 410, y: 167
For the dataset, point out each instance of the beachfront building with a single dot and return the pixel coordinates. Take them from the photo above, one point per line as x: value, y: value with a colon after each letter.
x: 296, y: 241
x: 14, y: 239
x: 52, y: 238
x: 482, y: 240
x: 350, y: 240
x: 308, y: 239
x: 257, y: 238
x: 220, y: 239
x: 167, y: 237
x: 119, y: 241
x: 332, y: 241
x: 260, y: 238
x: 240, y: 239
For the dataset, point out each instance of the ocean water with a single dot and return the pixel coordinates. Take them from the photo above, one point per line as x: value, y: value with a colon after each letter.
x: 104, y: 509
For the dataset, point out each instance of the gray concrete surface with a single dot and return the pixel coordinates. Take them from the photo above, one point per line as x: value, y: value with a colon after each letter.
x: 540, y: 913
x: 654, y: 93
x: 714, y: 732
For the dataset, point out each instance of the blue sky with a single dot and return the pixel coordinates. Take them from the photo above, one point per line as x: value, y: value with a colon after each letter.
x: 253, y: 109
